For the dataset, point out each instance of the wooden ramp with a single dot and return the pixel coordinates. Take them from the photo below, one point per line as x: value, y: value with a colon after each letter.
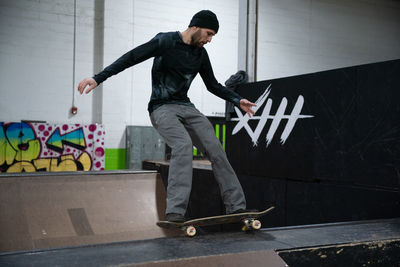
x: 69, y: 209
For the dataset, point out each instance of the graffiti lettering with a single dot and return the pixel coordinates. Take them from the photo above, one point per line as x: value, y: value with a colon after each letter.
x: 31, y: 147
x: 74, y: 138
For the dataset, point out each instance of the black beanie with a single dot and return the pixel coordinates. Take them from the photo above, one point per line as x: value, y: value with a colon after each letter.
x: 205, y: 19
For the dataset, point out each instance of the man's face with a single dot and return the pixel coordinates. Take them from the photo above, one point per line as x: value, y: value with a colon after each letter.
x: 202, y: 36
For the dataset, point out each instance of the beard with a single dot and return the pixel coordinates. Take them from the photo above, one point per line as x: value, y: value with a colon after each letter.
x: 196, y: 39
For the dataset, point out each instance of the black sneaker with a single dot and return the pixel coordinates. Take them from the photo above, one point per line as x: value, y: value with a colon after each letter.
x: 174, y: 217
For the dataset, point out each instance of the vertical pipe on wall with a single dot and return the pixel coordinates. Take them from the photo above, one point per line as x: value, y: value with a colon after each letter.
x: 242, y: 40
x: 74, y: 57
x: 132, y: 89
x: 247, y: 44
x: 98, y: 58
x: 252, y: 40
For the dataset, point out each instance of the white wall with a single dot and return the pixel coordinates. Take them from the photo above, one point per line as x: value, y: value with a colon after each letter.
x: 304, y: 36
x: 175, y: 16
x: 117, y: 90
x: 294, y: 37
x: 128, y: 24
x: 36, y: 58
x: 36, y: 51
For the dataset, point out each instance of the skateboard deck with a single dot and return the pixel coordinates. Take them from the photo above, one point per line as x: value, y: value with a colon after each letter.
x: 249, y: 220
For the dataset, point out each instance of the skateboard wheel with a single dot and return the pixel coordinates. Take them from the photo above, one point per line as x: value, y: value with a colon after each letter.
x: 191, y: 231
x: 256, y: 224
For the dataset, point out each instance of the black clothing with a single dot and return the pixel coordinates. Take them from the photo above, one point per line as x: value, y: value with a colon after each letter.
x: 238, y: 78
x: 175, y: 66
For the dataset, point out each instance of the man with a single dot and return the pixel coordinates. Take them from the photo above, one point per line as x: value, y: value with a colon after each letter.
x: 178, y: 57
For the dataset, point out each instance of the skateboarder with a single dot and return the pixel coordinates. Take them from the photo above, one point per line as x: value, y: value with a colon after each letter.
x: 178, y: 58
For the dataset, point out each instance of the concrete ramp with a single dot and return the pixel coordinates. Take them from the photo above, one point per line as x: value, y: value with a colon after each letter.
x: 48, y: 211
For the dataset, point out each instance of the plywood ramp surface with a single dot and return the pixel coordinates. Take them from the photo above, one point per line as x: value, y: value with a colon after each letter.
x: 57, y: 211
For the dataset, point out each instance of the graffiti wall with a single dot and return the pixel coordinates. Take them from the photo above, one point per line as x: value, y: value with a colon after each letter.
x: 32, y: 147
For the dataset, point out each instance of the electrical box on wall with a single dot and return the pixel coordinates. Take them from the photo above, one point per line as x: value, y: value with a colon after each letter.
x: 143, y: 143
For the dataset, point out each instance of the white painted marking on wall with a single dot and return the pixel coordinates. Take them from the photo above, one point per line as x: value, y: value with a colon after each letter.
x: 265, y: 116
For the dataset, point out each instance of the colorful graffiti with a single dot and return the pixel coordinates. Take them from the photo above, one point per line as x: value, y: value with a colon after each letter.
x: 31, y: 147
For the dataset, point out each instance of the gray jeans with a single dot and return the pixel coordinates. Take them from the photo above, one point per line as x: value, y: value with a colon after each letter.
x: 182, y: 127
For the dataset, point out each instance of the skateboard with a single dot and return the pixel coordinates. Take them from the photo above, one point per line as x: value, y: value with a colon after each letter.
x: 249, y: 220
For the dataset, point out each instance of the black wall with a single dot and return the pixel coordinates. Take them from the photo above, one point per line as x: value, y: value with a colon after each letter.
x: 341, y: 164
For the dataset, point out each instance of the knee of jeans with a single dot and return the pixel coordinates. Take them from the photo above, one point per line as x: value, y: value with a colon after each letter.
x: 217, y: 158
x: 184, y: 147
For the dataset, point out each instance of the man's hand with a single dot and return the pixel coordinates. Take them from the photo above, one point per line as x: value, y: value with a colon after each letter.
x: 246, y: 105
x: 85, y: 82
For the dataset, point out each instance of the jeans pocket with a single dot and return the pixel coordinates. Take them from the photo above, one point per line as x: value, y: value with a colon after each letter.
x: 157, y: 116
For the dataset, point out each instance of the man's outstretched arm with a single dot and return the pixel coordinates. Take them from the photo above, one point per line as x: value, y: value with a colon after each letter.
x: 221, y: 91
x: 133, y: 57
